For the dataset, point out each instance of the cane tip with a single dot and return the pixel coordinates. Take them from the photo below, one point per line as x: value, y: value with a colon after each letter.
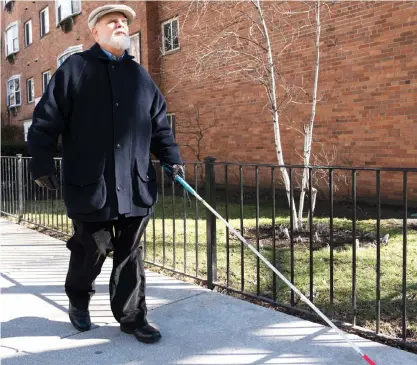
x: 369, y: 360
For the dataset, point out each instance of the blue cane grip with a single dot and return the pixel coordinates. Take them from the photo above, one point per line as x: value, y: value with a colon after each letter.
x: 182, y: 182
x: 185, y: 185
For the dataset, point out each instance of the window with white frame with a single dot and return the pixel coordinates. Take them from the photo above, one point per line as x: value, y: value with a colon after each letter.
x: 11, y: 36
x: 13, y: 92
x: 66, y: 8
x: 44, y: 21
x: 26, y: 125
x: 134, y: 49
x: 30, y: 85
x: 171, y: 121
x: 46, y: 76
x: 68, y: 52
x: 170, y: 39
x: 28, y: 33
x: 6, y: 2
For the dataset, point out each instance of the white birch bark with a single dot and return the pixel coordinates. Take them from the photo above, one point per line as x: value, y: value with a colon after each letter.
x: 272, y: 93
x: 308, y: 137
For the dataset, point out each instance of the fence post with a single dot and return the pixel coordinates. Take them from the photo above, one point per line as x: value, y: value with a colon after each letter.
x: 210, y: 181
x: 19, y: 185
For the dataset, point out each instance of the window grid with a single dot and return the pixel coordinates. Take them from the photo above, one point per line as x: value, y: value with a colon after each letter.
x: 46, y: 77
x: 134, y: 49
x: 68, y: 52
x: 31, y: 90
x: 11, y: 36
x: 13, y: 92
x: 66, y: 9
x: 28, y: 33
x: 171, y: 121
x: 44, y: 21
x: 170, y: 38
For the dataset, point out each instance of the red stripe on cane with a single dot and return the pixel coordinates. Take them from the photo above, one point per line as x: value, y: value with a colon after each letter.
x: 370, y: 362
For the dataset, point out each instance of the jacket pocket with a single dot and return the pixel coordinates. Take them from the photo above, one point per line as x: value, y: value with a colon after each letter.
x: 84, y: 186
x: 85, y: 198
x: 144, y: 184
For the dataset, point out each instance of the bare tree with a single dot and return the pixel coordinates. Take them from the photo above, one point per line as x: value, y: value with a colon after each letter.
x: 194, y: 130
x: 309, y: 128
x: 251, y: 39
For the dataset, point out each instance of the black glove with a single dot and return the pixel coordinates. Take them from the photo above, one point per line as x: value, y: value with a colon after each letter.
x: 174, y: 171
x: 49, y: 182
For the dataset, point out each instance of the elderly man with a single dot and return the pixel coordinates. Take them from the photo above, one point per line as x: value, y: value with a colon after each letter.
x: 111, y: 116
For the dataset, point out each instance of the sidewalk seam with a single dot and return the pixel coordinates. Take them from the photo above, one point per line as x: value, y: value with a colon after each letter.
x: 17, y: 350
x: 74, y: 334
x: 177, y: 301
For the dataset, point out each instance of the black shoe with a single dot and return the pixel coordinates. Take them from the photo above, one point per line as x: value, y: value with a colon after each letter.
x: 146, y: 333
x: 80, y: 318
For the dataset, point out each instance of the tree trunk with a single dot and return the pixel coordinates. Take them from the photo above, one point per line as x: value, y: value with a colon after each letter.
x: 308, y: 136
x: 272, y: 94
x: 313, y: 205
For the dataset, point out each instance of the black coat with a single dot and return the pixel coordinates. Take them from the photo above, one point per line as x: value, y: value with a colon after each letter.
x: 111, y: 116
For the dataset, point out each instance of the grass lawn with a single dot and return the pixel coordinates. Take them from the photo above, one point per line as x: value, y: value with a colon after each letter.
x: 170, y: 252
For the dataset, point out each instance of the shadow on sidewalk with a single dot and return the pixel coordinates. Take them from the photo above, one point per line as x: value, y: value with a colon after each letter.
x: 36, y: 327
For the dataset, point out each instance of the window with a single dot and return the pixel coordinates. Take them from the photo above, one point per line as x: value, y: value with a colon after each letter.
x: 6, y: 2
x: 44, y: 21
x: 135, y: 46
x: 26, y: 125
x: 11, y: 36
x: 66, y: 8
x: 170, y: 41
x: 28, y: 33
x: 46, y: 76
x: 13, y: 92
x: 68, y: 52
x: 171, y: 121
x: 30, y: 85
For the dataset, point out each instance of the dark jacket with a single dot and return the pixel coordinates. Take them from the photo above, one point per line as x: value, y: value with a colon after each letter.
x: 111, y: 116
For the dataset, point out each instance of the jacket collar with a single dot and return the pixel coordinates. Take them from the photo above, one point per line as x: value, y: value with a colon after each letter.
x: 96, y: 51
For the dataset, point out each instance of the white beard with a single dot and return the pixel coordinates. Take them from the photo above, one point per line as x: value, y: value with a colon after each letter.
x: 120, y: 42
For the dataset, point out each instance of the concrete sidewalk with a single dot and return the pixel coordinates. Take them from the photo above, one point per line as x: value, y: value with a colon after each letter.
x: 198, y: 326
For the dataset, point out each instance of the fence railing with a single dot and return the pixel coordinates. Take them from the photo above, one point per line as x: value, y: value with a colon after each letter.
x: 356, y: 261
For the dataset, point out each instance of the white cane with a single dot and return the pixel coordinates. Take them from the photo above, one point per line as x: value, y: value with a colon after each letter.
x: 282, y: 277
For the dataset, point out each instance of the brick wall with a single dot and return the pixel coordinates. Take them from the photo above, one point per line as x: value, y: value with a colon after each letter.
x: 367, y: 115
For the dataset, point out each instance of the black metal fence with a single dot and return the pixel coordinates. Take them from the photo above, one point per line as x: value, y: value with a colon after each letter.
x: 356, y: 261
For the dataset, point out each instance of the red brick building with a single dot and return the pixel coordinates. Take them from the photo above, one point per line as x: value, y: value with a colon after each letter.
x: 367, y: 115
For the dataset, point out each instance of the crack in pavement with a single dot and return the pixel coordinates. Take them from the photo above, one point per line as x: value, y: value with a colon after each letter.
x: 17, y: 350
x: 77, y: 333
x: 179, y: 300
x: 10, y: 348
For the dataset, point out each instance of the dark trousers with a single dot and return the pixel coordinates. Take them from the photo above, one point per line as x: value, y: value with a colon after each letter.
x: 89, y: 246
